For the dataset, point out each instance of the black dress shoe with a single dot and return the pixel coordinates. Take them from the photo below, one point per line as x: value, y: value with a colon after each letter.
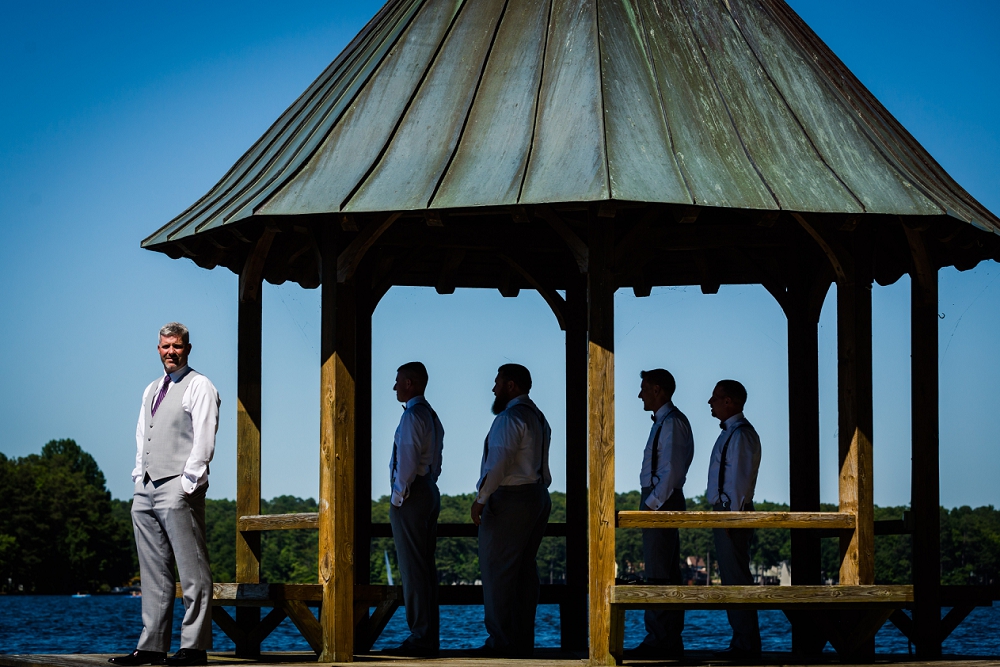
x: 645, y: 651
x: 187, y: 656
x: 411, y: 651
x: 737, y: 655
x: 138, y: 657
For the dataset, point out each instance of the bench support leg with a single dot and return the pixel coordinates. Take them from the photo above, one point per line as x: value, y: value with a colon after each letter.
x: 617, y: 642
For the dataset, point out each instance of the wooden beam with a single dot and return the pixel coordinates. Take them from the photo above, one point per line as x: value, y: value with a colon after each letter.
x: 601, y: 392
x: 552, y: 298
x: 925, y: 485
x: 446, y: 278
x: 573, y: 613
x: 363, y: 425
x: 253, y: 267
x: 805, y: 520
x: 839, y: 257
x: 310, y: 521
x: 579, y: 249
x: 248, y: 420
x: 350, y: 258
x: 336, y: 480
x: 854, y: 379
x: 309, y: 627
x: 763, y: 597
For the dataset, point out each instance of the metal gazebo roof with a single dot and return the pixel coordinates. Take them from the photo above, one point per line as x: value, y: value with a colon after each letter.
x: 451, y: 103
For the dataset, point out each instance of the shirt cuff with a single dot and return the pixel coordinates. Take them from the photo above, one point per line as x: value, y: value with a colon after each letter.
x: 187, y: 484
x: 652, y: 503
x: 397, y: 498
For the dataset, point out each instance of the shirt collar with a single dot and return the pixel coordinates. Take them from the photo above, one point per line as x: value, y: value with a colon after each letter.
x: 179, y: 374
x: 662, y: 412
x: 732, y: 420
x: 413, y: 401
x: 523, y: 398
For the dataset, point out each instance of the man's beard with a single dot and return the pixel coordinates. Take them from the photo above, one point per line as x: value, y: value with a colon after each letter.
x: 500, y: 403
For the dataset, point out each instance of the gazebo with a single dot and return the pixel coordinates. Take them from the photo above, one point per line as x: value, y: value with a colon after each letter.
x: 578, y: 147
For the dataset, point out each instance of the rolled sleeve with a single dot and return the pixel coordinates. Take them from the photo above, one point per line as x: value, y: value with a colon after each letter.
x: 202, y: 402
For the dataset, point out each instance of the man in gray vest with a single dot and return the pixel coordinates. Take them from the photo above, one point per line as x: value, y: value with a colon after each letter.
x: 414, y: 468
x: 175, y: 440
x: 511, y: 509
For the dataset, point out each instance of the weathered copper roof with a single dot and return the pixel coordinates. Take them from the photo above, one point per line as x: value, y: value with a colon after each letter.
x: 446, y: 104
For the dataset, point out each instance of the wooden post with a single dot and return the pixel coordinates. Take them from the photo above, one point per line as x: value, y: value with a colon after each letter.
x: 925, y: 476
x: 248, y: 408
x: 854, y: 377
x: 601, y: 391
x: 802, y: 306
x: 336, y: 476
x: 573, y: 610
x: 363, y: 429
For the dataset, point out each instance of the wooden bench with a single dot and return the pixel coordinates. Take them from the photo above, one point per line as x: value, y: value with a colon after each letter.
x: 846, y: 635
x: 846, y: 632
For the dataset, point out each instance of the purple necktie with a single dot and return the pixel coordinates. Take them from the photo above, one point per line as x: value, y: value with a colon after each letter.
x: 163, y: 392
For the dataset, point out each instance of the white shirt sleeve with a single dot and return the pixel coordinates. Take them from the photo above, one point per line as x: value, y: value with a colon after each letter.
x: 664, y: 485
x: 744, y: 460
x: 140, y: 430
x: 504, y: 436
x: 411, y: 434
x: 201, y: 401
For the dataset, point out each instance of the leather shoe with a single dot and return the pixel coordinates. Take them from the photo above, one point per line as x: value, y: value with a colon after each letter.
x: 411, y: 651
x: 186, y: 657
x: 138, y: 657
x: 737, y: 654
x: 645, y: 651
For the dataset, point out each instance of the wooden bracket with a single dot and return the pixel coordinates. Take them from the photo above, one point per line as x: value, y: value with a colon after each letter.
x: 253, y: 268
x: 446, y: 279
x: 923, y: 269
x: 350, y: 258
x: 556, y: 302
x: 576, y: 245
x: 306, y: 623
x: 840, y: 258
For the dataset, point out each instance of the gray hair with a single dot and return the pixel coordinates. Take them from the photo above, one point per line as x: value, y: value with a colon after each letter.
x: 171, y: 329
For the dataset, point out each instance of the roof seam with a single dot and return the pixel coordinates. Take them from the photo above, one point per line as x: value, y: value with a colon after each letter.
x: 600, y: 76
x: 409, y: 103
x: 472, y: 103
x: 725, y: 104
x: 659, y: 99
x: 791, y: 111
x: 538, y: 95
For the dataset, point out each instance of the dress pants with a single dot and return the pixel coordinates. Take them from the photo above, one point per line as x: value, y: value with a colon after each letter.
x: 513, y: 523
x: 414, y: 530
x: 170, y: 528
x: 661, y: 552
x: 732, y: 553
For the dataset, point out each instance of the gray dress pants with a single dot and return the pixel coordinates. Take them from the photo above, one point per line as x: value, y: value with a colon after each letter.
x: 414, y: 530
x: 732, y: 552
x: 513, y: 524
x: 170, y: 528
x: 661, y: 552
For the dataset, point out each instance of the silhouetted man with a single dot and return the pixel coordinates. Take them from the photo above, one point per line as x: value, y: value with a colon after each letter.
x: 732, y: 476
x: 413, y: 513
x: 511, y: 509
x: 665, y: 462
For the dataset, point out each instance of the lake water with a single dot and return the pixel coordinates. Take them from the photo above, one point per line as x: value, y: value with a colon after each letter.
x: 111, y: 624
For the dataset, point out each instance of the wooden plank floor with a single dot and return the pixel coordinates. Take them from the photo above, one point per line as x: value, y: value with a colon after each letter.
x: 543, y: 658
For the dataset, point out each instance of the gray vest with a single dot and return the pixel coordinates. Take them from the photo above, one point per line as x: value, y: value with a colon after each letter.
x: 169, y: 435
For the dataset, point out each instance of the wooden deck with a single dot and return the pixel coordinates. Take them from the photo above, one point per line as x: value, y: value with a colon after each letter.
x: 543, y: 658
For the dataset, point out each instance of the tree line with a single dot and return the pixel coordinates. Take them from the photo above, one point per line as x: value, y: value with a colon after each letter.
x: 62, y: 532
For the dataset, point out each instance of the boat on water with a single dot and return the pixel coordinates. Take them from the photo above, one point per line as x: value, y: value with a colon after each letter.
x: 81, y: 595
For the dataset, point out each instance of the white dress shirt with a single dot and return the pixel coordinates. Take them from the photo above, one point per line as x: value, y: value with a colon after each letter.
x: 674, y: 451
x: 201, y: 401
x: 418, y: 444
x: 516, y: 450
x: 742, y: 463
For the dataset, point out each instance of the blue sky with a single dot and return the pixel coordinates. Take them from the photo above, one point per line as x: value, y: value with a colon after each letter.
x: 116, y: 116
